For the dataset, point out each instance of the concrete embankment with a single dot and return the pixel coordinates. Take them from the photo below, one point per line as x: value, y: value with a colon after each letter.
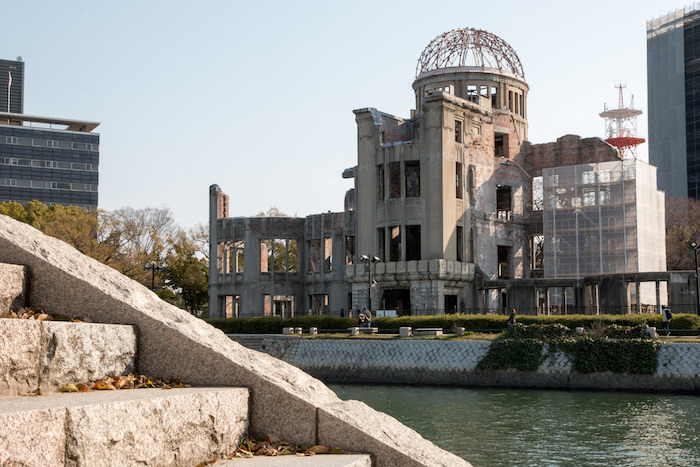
x: 437, y: 362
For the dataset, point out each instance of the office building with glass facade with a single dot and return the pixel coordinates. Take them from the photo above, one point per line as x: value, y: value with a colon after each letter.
x: 52, y: 160
x: 673, y: 76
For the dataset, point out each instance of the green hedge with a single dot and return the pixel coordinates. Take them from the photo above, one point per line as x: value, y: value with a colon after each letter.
x: 274, y: 325
x: 619, y: 349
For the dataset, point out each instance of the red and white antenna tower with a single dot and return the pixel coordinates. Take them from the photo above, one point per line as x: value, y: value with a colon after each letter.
x: 621, y: 126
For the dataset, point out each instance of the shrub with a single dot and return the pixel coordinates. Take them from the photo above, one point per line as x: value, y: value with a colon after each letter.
x: 521, y: 354
x: 620, y: 349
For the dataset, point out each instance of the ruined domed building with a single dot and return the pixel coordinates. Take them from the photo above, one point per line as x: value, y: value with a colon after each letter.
x: 453, y: 210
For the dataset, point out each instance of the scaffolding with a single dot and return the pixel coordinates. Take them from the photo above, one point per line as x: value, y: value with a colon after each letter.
x: 604, y: 218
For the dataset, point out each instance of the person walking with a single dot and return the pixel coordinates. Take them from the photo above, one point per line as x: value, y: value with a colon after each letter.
x: 512, y: 319
x: 666, y: 316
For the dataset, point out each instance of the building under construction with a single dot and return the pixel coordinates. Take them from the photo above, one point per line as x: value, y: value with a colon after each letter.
x: 453, y: 210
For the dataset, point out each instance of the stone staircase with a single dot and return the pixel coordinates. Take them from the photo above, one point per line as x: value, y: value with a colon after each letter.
x: 235, y: 391
x: 154, y: 426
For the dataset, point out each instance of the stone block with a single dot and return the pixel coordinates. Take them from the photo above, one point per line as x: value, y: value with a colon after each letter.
x: 13, y: 281
x: 173, y: 427
x: 356, y: 427
x: 428, y: 331
x: 354, y: 331
x: 287, y: 331
x: 50, y: 354
x: 20, y: 353
x: 313, y: 331
x: 652, y: 332
x: 321, y: 460
x: 85, y: 352
x: 405, y: 331
x: 129, y: 427
x: 32, y: 437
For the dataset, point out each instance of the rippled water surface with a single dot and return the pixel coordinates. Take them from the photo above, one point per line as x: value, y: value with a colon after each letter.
x: 490, y: 427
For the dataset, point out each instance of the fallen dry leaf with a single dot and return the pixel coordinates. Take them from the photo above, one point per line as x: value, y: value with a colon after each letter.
x: 70, y: 387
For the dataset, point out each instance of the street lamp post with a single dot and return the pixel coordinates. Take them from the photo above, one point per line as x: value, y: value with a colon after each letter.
x: 153, y: 267
x: 694, y: 245
x: 369, y: 260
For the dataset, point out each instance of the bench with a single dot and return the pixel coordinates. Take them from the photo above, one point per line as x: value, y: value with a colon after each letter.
x: 427, y: 332
x: 357, y: 330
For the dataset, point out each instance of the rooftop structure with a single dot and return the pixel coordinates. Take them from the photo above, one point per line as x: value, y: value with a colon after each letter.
x: 621, y: 126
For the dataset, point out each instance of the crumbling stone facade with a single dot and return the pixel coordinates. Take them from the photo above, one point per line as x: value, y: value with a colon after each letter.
x: 448, y: 201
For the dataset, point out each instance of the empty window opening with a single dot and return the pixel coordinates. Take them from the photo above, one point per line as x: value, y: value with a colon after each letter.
x: 458, y: 131
x: 277, y: 255
x: 458, y: 180
x: 522, y: 107
x: 460, y: 243
x: 328, y: 254
x: 589, y: 198
x: 380, y: 182
x: 413, y: 252
x: 267, y: 305
x: 266, y: 255
x: 537, y: 252
x: 399, y: 300
x: 484, y: 92
x: 473, y: 93
x: 283, y: 306
x: 292, y: 256
x: 510, y: 100
x: 588, y: 177
x: 381, y: 243
x: 503, y: 263
x: 225, y: 254
x: 537, y: 193
x: 394, y: 180
x: 503, y: 202
x: 240, y: 256
x: 395, y: 243
x: 349, y: 250
x: 500, y: 145
x: 314, y: 247
x: 450, y: 304
x: 319, y: 304
x: 230, y: 306
x: 412, y: 174
x: 494, y: 97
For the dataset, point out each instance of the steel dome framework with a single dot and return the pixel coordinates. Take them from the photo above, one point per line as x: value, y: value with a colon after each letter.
x: 469, y: 47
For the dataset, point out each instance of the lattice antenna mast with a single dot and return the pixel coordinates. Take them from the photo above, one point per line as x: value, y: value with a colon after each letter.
x: 621, y: 126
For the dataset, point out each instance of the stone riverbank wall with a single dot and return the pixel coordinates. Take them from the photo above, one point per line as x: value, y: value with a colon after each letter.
x: 436, y: 362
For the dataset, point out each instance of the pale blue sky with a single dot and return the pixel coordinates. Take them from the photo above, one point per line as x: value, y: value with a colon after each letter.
x: 258, y: 96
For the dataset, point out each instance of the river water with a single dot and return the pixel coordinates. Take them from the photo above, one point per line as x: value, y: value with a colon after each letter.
x: 504, y: 427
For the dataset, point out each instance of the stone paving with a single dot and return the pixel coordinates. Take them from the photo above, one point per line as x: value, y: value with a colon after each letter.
x: 455, y: 363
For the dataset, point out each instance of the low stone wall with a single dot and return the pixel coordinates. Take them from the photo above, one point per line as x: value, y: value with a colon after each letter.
x: 439, y: 362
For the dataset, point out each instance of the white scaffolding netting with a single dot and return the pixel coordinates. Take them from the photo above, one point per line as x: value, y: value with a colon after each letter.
x: 603, y: 218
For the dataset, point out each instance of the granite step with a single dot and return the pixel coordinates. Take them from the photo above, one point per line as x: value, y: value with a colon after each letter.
x: 50, y: 354
x: 13, y: 286
x: 159, y: 427
x: 320, y: 460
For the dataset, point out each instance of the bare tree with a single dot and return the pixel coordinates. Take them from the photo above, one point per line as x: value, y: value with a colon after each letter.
x: 682, y: 227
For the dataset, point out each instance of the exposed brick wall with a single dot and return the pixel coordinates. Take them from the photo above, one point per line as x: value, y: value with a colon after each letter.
x: 567, y: 150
